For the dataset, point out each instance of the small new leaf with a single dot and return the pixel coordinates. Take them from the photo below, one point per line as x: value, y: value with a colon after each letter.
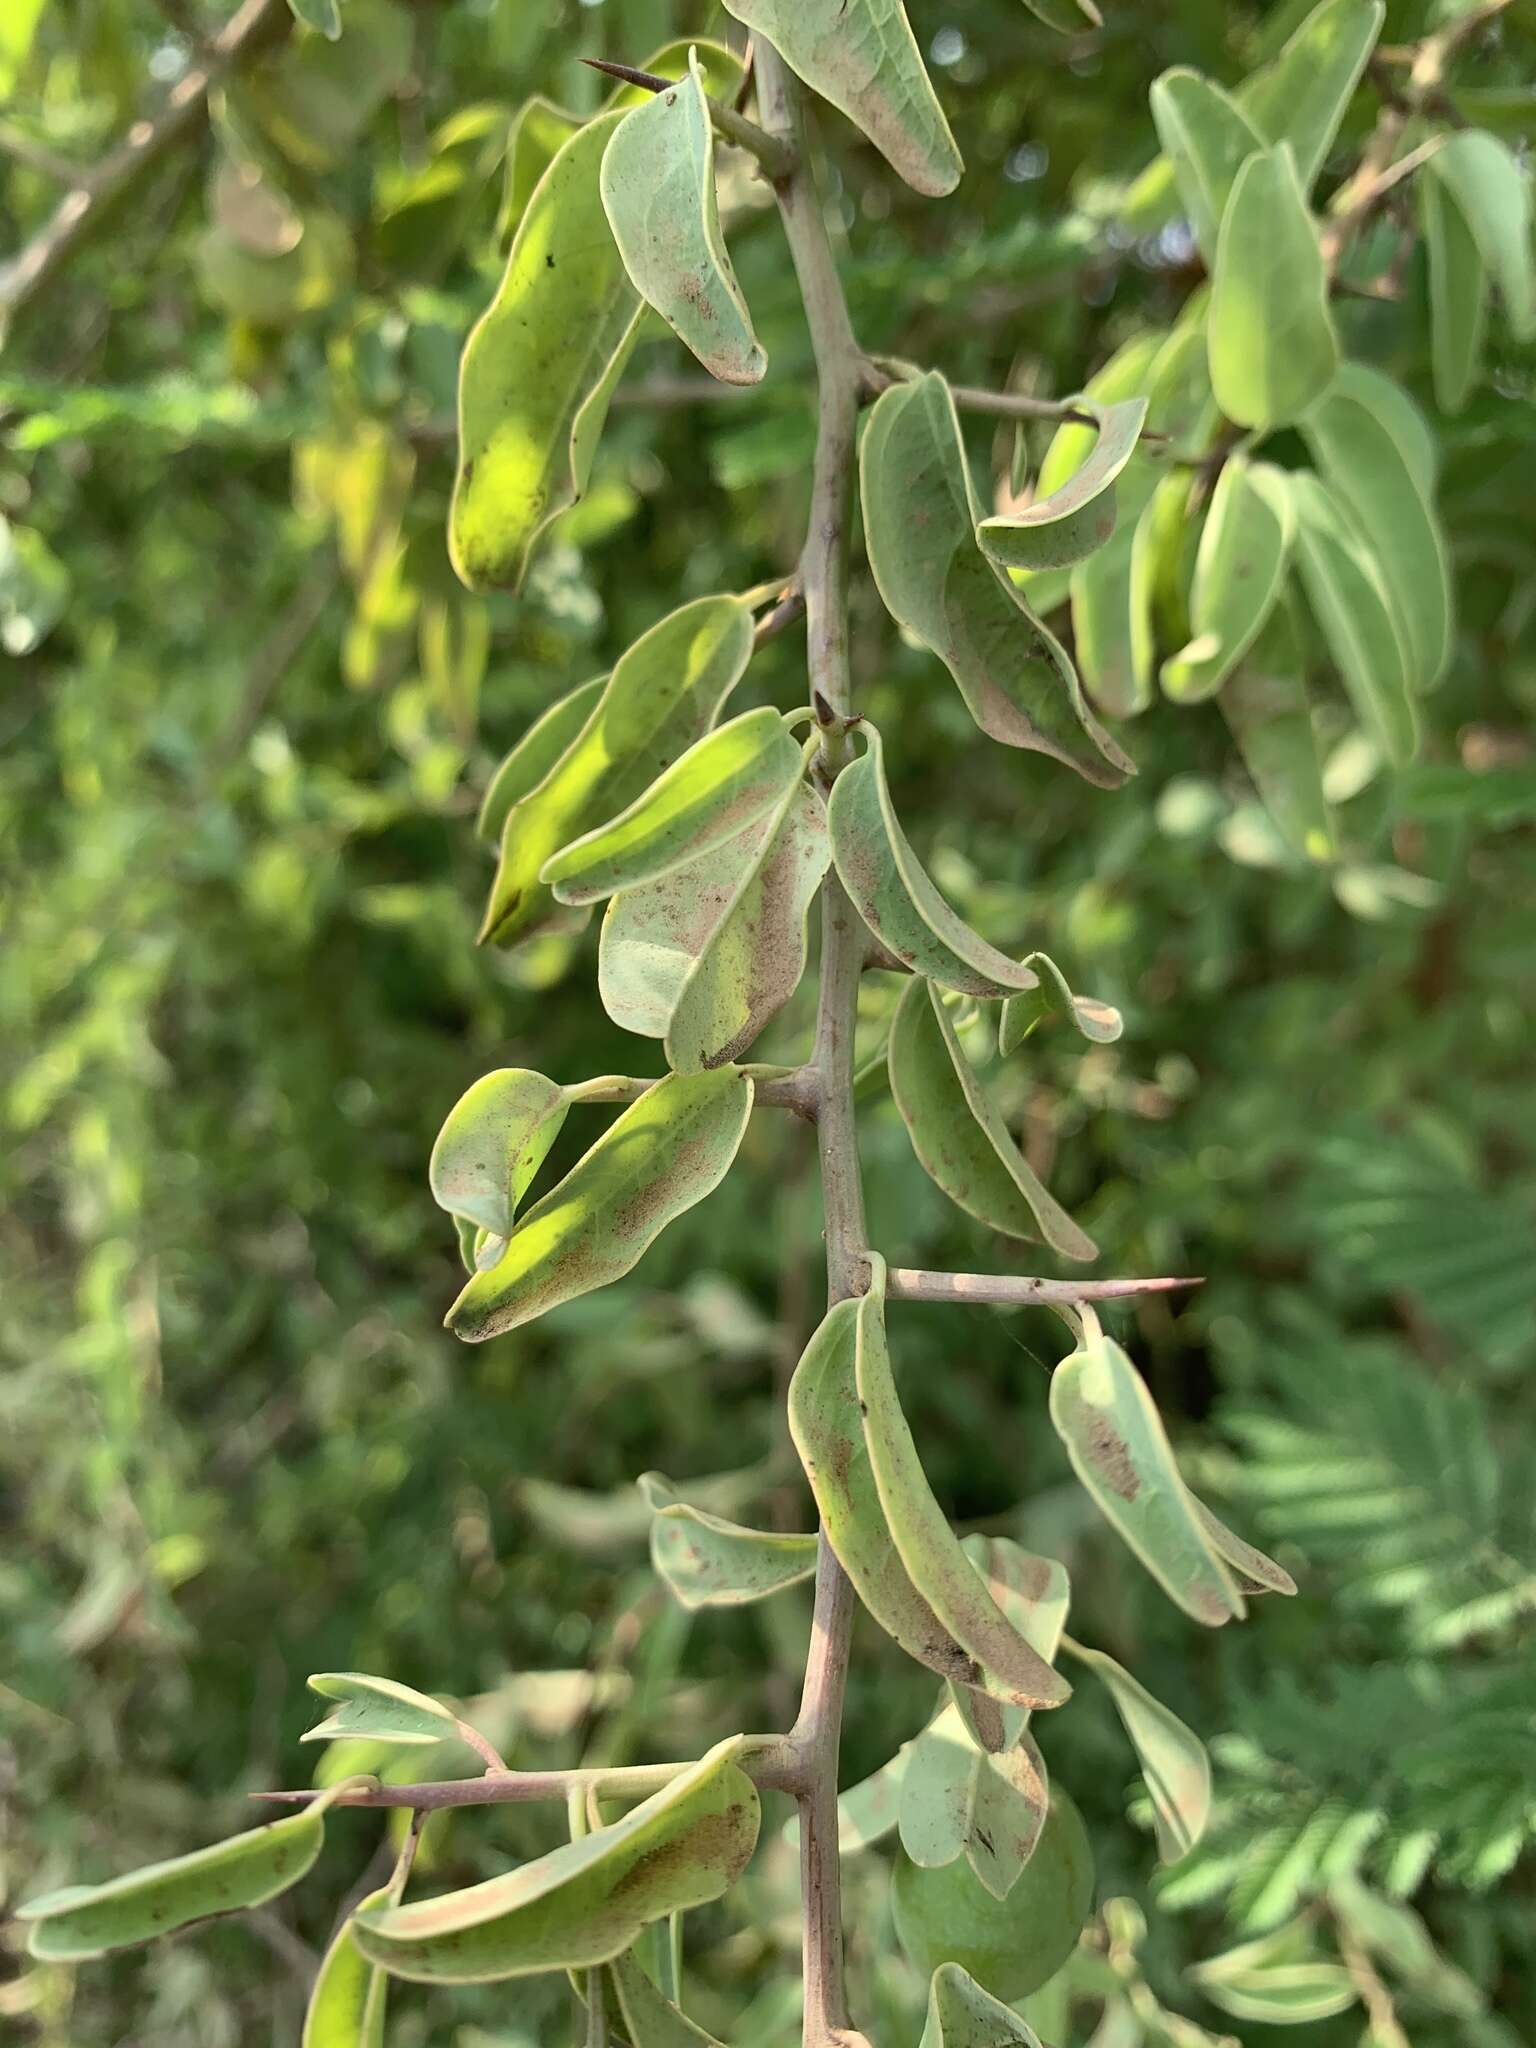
x: 376, y: 1710
x: 492, y: 1143
x: 1172, y: 1757
x: 1101, y: 1023
x: 707, y: 1561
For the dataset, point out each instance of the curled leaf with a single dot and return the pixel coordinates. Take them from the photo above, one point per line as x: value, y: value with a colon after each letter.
x: 658, y: 186
x: 376, y: 1710
x: 1099, y: 1022
x: 1078, y: 515
x: 1172, y: 1757
x: 662, y: 1155
x: 1459, y: 286
x: 492, y: 1143
x: 960, y: 1140
x: 707, y: 1561
x: 584, y: 1903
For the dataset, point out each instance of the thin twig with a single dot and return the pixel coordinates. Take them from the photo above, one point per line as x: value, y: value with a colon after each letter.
x: 797, y: 1090
x: 773, y: 158
x: 94, y: 196
x: 913, y: 1283
x: 788, y: 612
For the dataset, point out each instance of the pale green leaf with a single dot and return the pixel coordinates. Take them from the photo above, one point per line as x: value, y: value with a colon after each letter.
x: 1363, y: 463
x: 1265, y: 705
x: 540, y: 130
x: 1099, y: 1022
x: 1110, y: 625
x: 539, y: 369
x: 1034, y: 1594
x: 1281, y: 1994
x: 725, y: 782
x: 1493, y: 192
x: 246, y: 1870
x: 720, y: 71
x: 584, y: 1903
x: 1254, y: 1572
x: 324, y: 16
x: 665, y: 692
x: 707, y: 1561
x: 1240, y: 567
x: 1396, y: 1934
x: 1273, y: 348
x: 1459, y: 283
x: 868, y: 1811
x: 658, y: 186
x: 1207, y: 138
x: 650, y: 2020
x: 1302, y: 97
x: 1078, y: 516
x: 1172, y: 1757
x: 662, y: 1155
x: 377, y: 1709
x: 492, y: 1143
x: 960, y: 1140
x: 962, y: 2015
x: 535, y: 754
x: 708, y: 954
x: 862, y: 56
x: 348, y: 2002
x: 1102, y: 1412
x: 957, y: 1799
x: 1348, y: 596
x: 920, y: 517
x: 892, y: 892
x: 1400, y: 415
x: 1011, y: 1668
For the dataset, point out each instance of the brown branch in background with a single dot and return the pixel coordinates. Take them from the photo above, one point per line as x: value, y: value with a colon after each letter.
x: 94, y: 196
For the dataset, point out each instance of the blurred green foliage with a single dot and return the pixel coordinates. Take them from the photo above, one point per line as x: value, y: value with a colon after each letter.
x: 247, y: 720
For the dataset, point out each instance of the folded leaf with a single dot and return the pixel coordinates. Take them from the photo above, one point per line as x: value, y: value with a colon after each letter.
x: 1348, y: 595
x: 1459, y: 282
x: 584, y: 1903
x: 725, y: 782
x: 1493, y: 193
x: 540, y: 368
x: 658, y: 186
x: 377, y: 1710
x: 1114, y: 1437
x: 920, y: 517
x: 492, y: 1143
x: 1051, y: 997
x: 535, y: 754
x: 662, y: 1155
x: 1265, y: 705
x: 1172, y: 1757
x: 710, y: 1562
x: 1111, y: 623
x: 1034, y: 1595
x: 1302, y: 97
x: 962, y: 2015
x: 957, y: 1799
x: 708, y: 954
x: 938, y: 1567
x: 246, y: 1870
x: 350, y: 1997
x: 862, y: 56
x: 1273, y: 348
x: 1245, y: 546
x: 1079, y: 514
x: 1207, y: 138
x: 1360, y: 459
x: 891, y: 891
x: 650, y: 2020
x: 960, y: 1140
x: 1254, y: 1572
x: 665, y: 692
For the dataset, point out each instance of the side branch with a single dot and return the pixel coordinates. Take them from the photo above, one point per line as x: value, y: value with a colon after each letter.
x: 1013, y: 1290
x: 85, y: 207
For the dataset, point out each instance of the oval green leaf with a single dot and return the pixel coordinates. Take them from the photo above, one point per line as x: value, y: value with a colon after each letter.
x: 862, y: 56
x: 1078, y: 516
x: 724, y: 783
x: 1348, y: 596
x: 1207, y: 138
x: 1459, y: 283
x: 1172, y: 1757
x: 584, y: 1903
x: 1099, y: 1022
x: 1102, y: 1412
x: 957, y: 1799
x: 1273, y: 348
x: 492, y: 1143
x: 961, y: 1142
x: 1486, y: 182
x: 891, y: 891
x: 1302, y: 97
x: 662, y: 1155
x: 350, y: 1997
x: 665, y: 692
x: 1240, y: 567
x: 920, y: 517
x: 707, y: 1561
x: 658, y: 187
x: 377, y: 1710
x: 1268, y: 714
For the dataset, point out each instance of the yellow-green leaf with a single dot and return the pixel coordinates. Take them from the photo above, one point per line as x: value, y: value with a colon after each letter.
x: 960, y: 1140
x: 584, y: 1903
x: 1348, y: 596
x: 1273, y: 348
x: 658, y: 186
x: 1240, y: 567
x: 1459, y: 283
x: 1172, y: 1757
x: 862, y: 56
x: 1207, y: 138
x: 539, y: 369
x: 535, y: 754
x: 707, y: 1561
x: 492, y: 1143
x: 920, y: 518
x: 662, y: 1155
